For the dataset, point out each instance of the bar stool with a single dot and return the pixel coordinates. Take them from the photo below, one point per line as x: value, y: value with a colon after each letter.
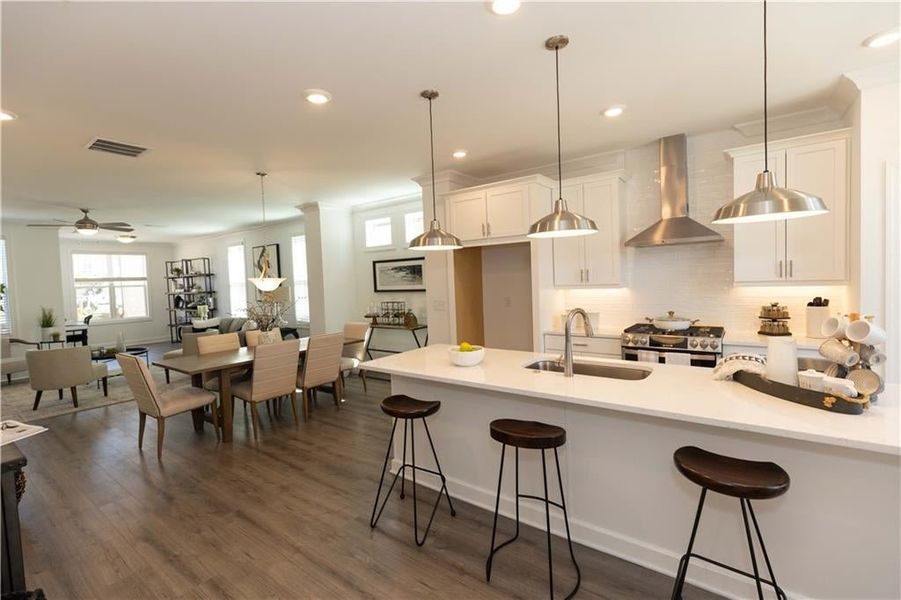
x: 742, y: 479
x: 408, y: 409
x: 535, y: 436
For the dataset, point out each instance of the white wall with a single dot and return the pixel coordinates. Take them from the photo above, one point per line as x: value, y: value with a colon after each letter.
x: 216, y: 248
x: 155, y: 327
x: 507, y: 296
x: 364, y: 293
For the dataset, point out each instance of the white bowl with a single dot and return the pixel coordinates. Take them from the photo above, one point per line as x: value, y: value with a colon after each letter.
x: 466, y: 359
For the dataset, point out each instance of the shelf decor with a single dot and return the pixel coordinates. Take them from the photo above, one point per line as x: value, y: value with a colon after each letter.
x: 189, y: 292
x: 398, y: 275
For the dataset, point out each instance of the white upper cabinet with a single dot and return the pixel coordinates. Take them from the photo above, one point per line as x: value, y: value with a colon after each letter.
x: 500, y: 211
x: 804, y: 250
x: 592, y: 260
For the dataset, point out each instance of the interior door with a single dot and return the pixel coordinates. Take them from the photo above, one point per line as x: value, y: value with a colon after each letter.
x: 508, y: 211
x: 816, y: 246
x: 759, y: 252
x: 569, y: 253
x: 467, y: 215
x: 602, y: 249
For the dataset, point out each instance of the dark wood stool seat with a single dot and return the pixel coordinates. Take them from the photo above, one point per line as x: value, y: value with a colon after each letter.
x: 527, y: 434
x: 732, y: 476
x: 400, y: 406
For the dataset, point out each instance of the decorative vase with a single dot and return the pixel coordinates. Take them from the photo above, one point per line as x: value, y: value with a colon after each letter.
x: 120, y: 342
x: 55, y: 336
x: 46, y: 332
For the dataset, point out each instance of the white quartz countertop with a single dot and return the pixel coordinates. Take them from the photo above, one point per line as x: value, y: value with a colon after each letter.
x: 752, y: 338
x: 674, y: 392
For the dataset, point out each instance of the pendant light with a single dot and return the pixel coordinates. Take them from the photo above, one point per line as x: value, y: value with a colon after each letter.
x: 561, y: 222
x: 264, y: 282
x: 768, y: 202
x: 435, y: 238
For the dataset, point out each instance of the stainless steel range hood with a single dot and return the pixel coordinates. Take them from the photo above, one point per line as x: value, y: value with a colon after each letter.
x: 674, y: 226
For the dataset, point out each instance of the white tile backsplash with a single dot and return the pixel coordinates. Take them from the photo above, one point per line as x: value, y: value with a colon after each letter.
x: 695, y: 280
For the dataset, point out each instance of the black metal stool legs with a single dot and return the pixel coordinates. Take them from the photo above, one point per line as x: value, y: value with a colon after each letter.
x: 547, y: 509
x: 401, y: 472
x: 758, y: 580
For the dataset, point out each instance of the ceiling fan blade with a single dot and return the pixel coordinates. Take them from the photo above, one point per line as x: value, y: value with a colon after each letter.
x: 49, y: 225
x: 61, y: 221
x: 115, y: 224
x: 123, y: 229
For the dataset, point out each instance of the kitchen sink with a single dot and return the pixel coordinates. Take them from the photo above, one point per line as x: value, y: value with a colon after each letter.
x: 592, y: 369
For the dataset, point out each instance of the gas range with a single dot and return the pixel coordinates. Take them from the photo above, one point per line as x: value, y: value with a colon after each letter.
x: 702, y: 344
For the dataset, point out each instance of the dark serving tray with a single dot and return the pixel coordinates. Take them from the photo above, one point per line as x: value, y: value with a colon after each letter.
x: 814, y: 399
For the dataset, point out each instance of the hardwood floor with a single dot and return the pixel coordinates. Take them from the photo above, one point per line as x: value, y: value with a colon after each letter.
x: 288, y: 518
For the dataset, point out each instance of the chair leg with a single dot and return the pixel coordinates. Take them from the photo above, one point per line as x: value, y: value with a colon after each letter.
x: 142, y: 421
x: 682, y: 570
x: 160, y: 433
x: 403, y: 479
x: 375, y: 517
x: 294, y: 406
x: 59, y: 393
x: 766, y: 557
x: 106, y: 386
x: 305, y: 396
x: 269, y: 409
x: 547, y: 516
x: 338, y: 391
x: 167, y: 376
x: 569, y: 540
x: 74, y: 391
x: 254, y: 417
x: 9, y: 378
x: 37, y: 399
x: 744, y: 517
x: 363, y: 378
x: 497, y: 506
x: 215, y: 410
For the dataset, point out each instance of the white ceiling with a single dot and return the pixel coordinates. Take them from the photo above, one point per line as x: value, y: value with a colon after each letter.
x: 216, y: 91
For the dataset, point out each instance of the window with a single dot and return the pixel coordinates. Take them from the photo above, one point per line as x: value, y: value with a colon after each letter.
x: 301, y: 289
x: 110, y: 287
x: 413, y: 225
x: 4, y: 290
x: 378, y: 232
x: 237, y: 279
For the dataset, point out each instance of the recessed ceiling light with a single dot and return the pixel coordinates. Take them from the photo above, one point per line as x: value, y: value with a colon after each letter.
x: 7, y: 116
x: 614, y: 111
x: 883, y: 39
x: 459, y: 154
x: 126, y: 238
x: 317, y: 96
x: 504, y: 7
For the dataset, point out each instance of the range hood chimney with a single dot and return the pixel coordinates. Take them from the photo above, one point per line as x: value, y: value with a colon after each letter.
x: 674, y: 226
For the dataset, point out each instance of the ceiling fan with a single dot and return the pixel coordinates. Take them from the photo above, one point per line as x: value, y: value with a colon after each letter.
x: 86, y: 225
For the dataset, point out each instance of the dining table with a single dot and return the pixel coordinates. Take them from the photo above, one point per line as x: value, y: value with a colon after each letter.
x: 223, y: 364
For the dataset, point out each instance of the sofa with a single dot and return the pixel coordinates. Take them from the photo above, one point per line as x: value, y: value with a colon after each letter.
x: 10, y: 364
x: 219, y: 324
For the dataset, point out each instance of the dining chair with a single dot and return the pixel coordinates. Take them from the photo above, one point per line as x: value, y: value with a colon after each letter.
x: 211, y: 344
x: 274, y: 376
x: 255, y: 337
x: 161, y: 405
x: 188, y: 346
x: 352, y: 354
x: 322, y: 366
x: 82, y: 336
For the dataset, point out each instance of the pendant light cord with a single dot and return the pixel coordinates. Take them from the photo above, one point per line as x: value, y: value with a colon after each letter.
x: 559, y: 150
x: 263, y: 196
x: 432, y: 150
x: 766, y: 157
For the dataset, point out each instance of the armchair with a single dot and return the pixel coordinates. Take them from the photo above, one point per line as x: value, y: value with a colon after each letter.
x: 10, y: 364
x: 63, y: 368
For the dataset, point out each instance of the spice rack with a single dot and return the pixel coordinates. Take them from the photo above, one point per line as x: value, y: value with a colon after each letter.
x: 774, y: 320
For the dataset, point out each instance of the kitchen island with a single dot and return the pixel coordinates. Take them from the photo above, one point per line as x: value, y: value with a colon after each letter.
x: 835, y: 534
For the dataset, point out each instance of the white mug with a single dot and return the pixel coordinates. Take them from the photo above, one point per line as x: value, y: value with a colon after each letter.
x: 864, y: 332
x: 838, y: 352
x: 834, y: 327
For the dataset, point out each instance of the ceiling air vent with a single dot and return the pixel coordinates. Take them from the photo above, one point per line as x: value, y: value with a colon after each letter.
x: 102, y: 145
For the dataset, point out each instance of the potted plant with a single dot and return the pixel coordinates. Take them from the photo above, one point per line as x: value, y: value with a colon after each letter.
x: 47, y: 321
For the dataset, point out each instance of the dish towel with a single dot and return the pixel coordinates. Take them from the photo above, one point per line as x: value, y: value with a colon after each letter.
x: 648, y: 356
x: 676, y: 358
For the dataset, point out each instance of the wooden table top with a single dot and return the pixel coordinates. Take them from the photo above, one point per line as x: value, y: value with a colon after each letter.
x: 194, y: 364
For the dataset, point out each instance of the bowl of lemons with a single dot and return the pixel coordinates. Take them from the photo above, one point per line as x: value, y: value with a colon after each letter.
x: 466, y: 355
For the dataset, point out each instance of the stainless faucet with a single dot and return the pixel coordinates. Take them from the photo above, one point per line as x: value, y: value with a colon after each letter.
x: 568, y: 338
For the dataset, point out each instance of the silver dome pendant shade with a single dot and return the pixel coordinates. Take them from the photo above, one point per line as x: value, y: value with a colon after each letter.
x: 435, y: 238
x: 561, y: 222
x: 768, y: 202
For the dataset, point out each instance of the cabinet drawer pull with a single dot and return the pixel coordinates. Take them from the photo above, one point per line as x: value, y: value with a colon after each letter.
x: 587, y: 276
x: 791, y: 268
x: 580, y: 345
x: 780, y: 269
x: 489, y: 228
x: 483, y: 230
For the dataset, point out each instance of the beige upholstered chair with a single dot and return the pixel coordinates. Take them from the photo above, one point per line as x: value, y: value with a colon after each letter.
x: 63, y: 368
x: 161, y: 405
x: 211, y: 344
x: 188, y: 347
x: 10, y: 364
x: 352, y: 355
x: 254, y: 337
x: 274, y: 375
x: 321, y: 367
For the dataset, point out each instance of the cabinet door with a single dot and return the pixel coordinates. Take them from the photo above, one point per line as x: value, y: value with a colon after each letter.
x: 759, y: 251
x: 602, y: 249
x: 569, y: 253
x: 816, y: 247
x: 508, y: 211
x: 467, y: 215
